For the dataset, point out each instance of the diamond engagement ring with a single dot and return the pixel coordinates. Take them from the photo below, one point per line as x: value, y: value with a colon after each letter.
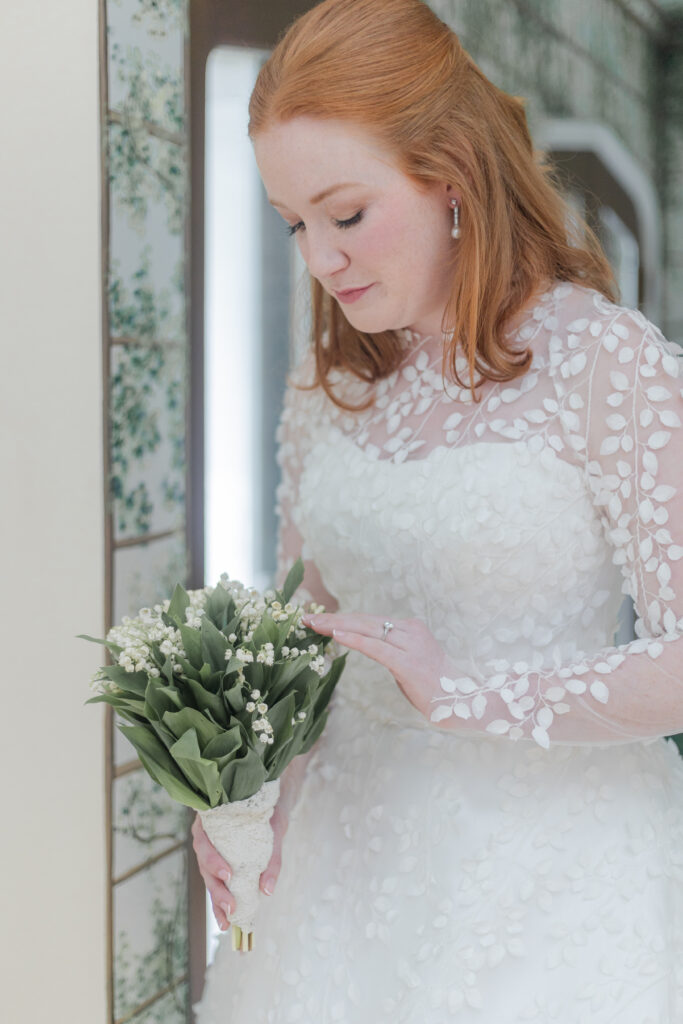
x: 387, y: 627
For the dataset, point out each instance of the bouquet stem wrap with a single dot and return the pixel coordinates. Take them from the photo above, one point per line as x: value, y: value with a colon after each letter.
x: 241, y: 832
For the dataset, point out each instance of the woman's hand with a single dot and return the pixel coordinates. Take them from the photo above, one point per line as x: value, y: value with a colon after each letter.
x: 410, y: 651
x: 217, y: 873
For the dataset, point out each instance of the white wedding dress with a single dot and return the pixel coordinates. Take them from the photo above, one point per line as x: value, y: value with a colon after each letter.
x: 519, y: 857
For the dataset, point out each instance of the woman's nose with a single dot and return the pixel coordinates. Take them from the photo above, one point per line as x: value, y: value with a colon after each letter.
x: 324, y: 257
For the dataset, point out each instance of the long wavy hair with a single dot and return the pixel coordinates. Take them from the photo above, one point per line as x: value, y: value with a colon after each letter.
x: 396, y: 70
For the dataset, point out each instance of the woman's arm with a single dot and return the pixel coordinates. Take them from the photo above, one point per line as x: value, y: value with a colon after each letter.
x: 619, y: 390
x: 293, y: 430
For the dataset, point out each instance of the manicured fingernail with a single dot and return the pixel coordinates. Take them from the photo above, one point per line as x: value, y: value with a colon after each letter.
x: 338, y: 634
x: 226, y: 876
x: 269, y: 885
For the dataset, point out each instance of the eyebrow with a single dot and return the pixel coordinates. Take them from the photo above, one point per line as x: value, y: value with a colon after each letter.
x: 321, y: 195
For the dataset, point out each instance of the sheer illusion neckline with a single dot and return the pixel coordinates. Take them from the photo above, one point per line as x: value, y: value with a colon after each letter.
x: 517, y: 330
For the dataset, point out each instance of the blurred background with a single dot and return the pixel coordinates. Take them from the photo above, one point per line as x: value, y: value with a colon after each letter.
x: 151, y: 305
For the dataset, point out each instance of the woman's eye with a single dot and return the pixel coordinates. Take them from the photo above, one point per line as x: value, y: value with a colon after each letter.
x: 357, y: 217
x: 351, y: 221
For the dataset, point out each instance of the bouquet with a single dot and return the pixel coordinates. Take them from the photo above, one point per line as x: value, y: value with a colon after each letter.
x: 221, y: 688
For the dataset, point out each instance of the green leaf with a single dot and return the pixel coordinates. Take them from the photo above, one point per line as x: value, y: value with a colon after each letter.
x: 192, y: 644
x: 201, y: 772
x: 225, y: 747
x: 163, y: 733
x: 329, y: 682
x: 188, y: 670
x: 132, y: 682
x: 214, y: 645
x: 243, y: 776
x: 267, y: 631
x: 168, y: 621
x: 282, y: 758
x: 314, y: 732
x: 294, y: 579
x: 180, y: 721
x: 179, y: 602
x: 114, y: 648
x: 161, y: 767
x: 284, y: 629
x: 234, y: 665
x: 204, y: 700
x: 280, y: 717
x: 285, y: 674
x: 233, y: 625
x: 218, y: 606
x: 254, y: 673
x: 120, y: 703
x: 235, y: 697
x: 176, y: 789
x: 160, y: 698
x: 167, y: 671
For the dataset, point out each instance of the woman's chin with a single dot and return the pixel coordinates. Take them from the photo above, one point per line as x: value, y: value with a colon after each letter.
x: 369, y: 322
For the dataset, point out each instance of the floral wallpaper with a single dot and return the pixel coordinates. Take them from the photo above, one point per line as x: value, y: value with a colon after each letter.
x: 145, y: 153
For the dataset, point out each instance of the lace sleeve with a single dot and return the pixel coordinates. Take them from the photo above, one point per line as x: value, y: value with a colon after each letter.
x: 293, y: 430
x: 619, y: 388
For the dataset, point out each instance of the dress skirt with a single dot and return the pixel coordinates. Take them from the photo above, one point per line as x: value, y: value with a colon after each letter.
x: 429, y: 877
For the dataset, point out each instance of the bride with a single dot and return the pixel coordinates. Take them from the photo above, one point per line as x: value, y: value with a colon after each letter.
x: 481, y: 455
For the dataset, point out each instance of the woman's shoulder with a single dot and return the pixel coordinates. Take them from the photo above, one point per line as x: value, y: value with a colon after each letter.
x: 600, y: 351
x: 577, y: 319
x: 584, y: 310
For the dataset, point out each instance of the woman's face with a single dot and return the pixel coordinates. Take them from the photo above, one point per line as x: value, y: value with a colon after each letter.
x: 361, y: 223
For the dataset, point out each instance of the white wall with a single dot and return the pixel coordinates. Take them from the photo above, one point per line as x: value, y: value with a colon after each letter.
x: 53, y: 869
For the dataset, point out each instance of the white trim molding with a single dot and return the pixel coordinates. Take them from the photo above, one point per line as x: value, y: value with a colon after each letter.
x: 567, y: 134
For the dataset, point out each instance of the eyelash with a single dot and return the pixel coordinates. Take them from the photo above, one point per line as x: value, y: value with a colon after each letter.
x: 293, y: 228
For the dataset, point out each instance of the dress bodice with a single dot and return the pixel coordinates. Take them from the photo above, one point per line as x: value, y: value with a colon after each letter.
x: 497, y: 548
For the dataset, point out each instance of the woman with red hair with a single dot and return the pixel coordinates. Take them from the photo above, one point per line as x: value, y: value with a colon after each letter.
x: 481, y: 454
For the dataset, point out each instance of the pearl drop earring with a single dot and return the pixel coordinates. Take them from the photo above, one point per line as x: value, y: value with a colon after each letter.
x: 455, y: 230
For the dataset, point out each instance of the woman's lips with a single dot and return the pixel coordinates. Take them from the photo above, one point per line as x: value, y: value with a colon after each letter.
x: 351, y: 294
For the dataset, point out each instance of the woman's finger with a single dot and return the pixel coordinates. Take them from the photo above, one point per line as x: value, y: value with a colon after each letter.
x: 351, y: 622
x: 222, y: 919
x: 208, y: 857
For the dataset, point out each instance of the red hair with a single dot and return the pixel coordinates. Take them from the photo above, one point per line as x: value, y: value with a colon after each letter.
x: 396, y: 70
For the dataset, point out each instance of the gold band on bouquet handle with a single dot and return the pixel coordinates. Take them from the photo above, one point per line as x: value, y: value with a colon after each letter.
x: 242, y: 941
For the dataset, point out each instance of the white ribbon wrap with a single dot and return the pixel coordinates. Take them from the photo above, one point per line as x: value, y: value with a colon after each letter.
x: 242, y: 834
